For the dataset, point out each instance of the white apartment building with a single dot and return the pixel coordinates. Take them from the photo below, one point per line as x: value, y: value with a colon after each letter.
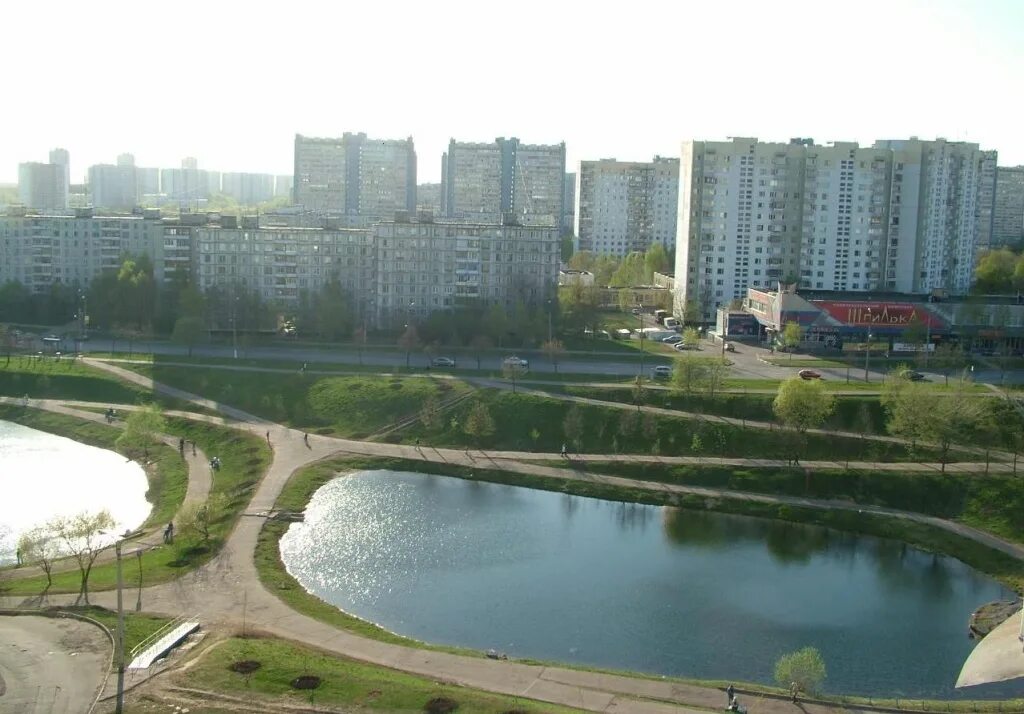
x: 43, y: 186
x: 905, y: 215
x: 625, y: 206
x: 283, y: 185
x: 39, y: 250
x: 425, y: 267
x: 247, y: 188
x: 504, y: 179
x: 1008, y: 221
x: 114, y: 187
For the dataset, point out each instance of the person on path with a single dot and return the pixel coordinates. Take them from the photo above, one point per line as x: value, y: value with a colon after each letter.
x: 305, y: 438
x: 169, y: 533
x: 730, y: 693
x: 268, y: 437
x: 563, y: 451
x: 193, y: 448
x: 181, y: 446
x: 794, y: 690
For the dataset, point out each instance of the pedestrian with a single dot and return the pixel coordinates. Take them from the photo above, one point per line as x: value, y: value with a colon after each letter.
x: 193, y: 448
x: 18, y: 555
x: 181, y: 446
x: 305, y: 438
x: 268, y: 437
x: 417, y: 442
x: 730, y: 693
x: 794, y: 690
x: 563, y: 451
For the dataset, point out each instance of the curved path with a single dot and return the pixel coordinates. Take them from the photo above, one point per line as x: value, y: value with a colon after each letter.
x: 228, y: 591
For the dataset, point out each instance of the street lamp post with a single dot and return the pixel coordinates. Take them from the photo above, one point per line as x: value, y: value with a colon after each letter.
x: 867, y: 357
x: 549, y: 320
x: 119, y: 705
x: 640, y: 317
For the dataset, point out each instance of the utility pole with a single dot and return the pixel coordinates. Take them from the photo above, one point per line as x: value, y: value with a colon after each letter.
x: 119, y: 705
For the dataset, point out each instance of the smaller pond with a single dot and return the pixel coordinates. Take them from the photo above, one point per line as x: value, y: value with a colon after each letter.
x: 43, y: 476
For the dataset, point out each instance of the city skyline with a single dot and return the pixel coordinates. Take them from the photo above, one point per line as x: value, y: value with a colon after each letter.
x: 663, y: 84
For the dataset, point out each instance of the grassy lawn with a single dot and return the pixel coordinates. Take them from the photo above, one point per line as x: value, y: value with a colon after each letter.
x: 806, y: 362
x: 137, y: 626
x: 166, y: 471
x: 245, y: 457
x: 345, y: 683
x: 533, y: 423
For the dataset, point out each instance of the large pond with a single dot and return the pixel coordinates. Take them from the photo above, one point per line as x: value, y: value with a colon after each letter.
x: 660, y: 590
x: 43, y: 476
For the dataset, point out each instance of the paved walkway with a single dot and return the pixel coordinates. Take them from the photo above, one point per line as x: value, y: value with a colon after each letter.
x: 227, y: 590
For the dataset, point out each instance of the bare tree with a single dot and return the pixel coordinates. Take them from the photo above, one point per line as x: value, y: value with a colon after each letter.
x: 80, y: 535
x: 39, y: 546
x: 553, y: 350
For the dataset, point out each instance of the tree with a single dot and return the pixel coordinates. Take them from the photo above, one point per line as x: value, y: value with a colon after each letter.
x: 409, y: 341
x: 948, y: 358
x: 804, y: 668
x: 688, y: 374
x: 479, y: 344
x: 39, y: 546
x: 80, y: 535
x: 573, y: 426
x: 199, y: 518
x: 639, y: 392
x: 995, y: 272
x: 480, y: 424
x: 917, y: 413
x: 714, y: 376
x: 333, y: 315
x: 655, y: 260
x: 430, y: 414
x: 803, y: 404
x: 630, y: 272
x: 554, y: 351
x: 511, y: 372
x: 791, y: 337
x: 359, y: 338
x: 691, y: 337
x: 188, y: 331
x: 142, y: 429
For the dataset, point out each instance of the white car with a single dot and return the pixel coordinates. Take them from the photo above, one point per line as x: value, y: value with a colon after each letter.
x: 516, y: 362
x: 662, y: 371
x: 672, y: 339
x: 442, y: 362
x: 682, y: 346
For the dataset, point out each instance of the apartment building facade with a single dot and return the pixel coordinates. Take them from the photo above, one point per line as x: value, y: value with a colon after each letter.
x: 114, y: 187
x: 43, y: 186
x: 247, y: 188
x: 355, y: 175
x: 904, y: 215
x: 1008, y: 221
x: 625, y: 206
x: 504, y: 180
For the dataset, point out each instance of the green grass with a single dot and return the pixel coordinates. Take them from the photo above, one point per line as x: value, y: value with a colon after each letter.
x: 166, y: 472
x: 534, y: 423
x: 346, y: 683
x: 245, y: 457
x: 137, y: 626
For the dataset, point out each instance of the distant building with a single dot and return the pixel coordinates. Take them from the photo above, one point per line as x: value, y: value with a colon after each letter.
x: 428, y: 198
x: 1008, y: 225
x: 189, y: 183
x: 246, y: 188
x: 149, y: 180
x: 504, y: 179
x: 569, y: 203
x: 355, y: 175
x: 114, y: 187
x: 283, y: 185
x: 42, y: 186
x: 625, y: 206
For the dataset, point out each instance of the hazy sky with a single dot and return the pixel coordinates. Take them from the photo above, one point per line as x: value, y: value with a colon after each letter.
x: 231, y: 83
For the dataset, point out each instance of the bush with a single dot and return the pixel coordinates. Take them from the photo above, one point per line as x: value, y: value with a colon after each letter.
x: 803, y: 669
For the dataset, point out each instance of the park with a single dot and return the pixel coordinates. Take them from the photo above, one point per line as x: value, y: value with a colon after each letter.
x: 356, y: 507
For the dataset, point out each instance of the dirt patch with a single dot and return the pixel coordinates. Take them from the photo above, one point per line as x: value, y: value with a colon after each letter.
x: 440, y: 705
x: 245, y: 666
x: 306, y: 681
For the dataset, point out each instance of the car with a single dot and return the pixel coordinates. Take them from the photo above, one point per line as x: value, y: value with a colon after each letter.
x: 662, y: 371
x: 730, y: 347
x: 635, y: 311
x: 516, y: 362
x: 672, y: 339
x: 809, y: 374
x: 681, y: 346
x: 442, y: 362
x: 912, y: 375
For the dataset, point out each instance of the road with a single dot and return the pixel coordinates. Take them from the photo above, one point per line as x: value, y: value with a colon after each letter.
x: 50, y: 665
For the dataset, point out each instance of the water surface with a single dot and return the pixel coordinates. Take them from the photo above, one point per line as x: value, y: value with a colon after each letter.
x: 665, y: 591
x: 43, y: 476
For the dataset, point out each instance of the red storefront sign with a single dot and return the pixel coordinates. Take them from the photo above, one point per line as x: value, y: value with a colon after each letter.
x: 879, y: 314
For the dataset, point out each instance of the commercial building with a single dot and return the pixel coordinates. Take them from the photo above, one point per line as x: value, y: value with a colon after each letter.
x: 246, y: 188
x: 504, y: 180
x: 1008, y: 224
x: 625, y: 206
x: 45, y: 186
x: 355, y: 175
x: 907, y: 216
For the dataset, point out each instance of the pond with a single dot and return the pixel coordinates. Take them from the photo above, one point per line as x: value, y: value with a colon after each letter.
x: 550, y: 576
x: 43, y: 476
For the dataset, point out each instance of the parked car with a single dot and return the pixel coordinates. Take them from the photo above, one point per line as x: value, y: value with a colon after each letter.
x: 809, y: 374
x: 681, y: 346
x: 672, y: 339
x: 671, y: 323
x: 516, y: 362
x: 442, y: 362
x: 662, y: 371
x: 635, y: 311
x: 730, y: 347
x: 912, y: 375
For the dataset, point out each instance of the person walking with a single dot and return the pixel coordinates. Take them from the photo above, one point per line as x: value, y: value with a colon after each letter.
x: 268, y: 437
x: 305, y: 439
x: 193, y: 448
x: 794, y: 690
x: 564, y: 453
x: 181, y: 446
x: 730, y: 693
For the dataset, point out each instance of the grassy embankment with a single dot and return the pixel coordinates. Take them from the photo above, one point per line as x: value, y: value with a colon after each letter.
x: 244, y: 456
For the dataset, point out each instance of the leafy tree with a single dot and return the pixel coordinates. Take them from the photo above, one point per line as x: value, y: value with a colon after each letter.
x: 409, y: 341
x: 803, y: 669
x: 691, y: 312
x: 907, y: 407
x: 573, y: 426
x: 333, y: 313
x: 630, y: 272
x: 696, y: 445
x: 791, y: 337
x: 199, y: 518
x: 948, y: 358
x: 511, y: 372
x: 142, y: 429
x: 479, y: 424
x: 691, y: 337
x: 639, y: 392
x: 566, y: 247
x: 915, y: 333
x: 655, y: 261
x: 917, y: 413
x: 188, y: 331
x: 714, y: 376
x: 995, y: 272
x: 583, y: 260
x: 39, y: 546
x: 80, y: 535
x: 803, y: 404
x: 480, y: 344
x: 604, y: 268
x: 688, y: 374
x: 554, y: 350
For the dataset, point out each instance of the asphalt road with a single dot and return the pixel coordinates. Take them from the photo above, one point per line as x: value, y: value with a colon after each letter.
x: 50, y: 665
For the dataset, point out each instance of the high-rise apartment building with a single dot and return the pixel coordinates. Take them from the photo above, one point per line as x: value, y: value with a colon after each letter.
x: 246, y: 188
x: 355, y: 175
x: 625, y: 206
x: 904, y: 215
x: 283, y: 185
x: 189, y: 183
x: 428, y: 198
x: 42, y: 186
x: 569, y: 203
x: 1008, y: 223
x: 114, y: 187
x: 503, y: 180
x: 149, y: 180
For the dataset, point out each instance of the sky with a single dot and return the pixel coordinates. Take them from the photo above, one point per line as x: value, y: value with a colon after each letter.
x: 231, y: 83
